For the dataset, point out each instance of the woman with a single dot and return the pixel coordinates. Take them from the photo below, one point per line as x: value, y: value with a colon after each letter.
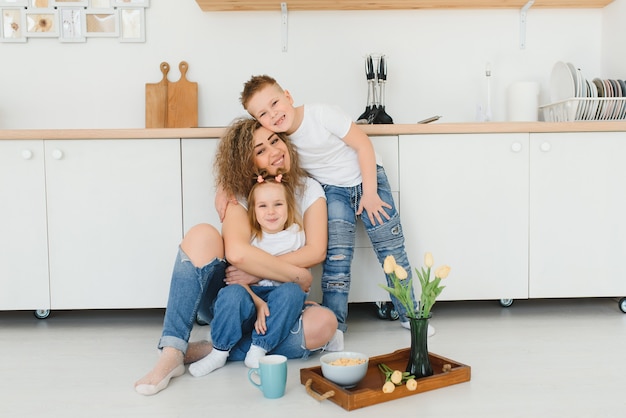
x: 200, y: 268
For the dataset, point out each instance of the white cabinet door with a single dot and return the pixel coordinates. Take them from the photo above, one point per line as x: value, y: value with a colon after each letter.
x: 199, y: 182
x: 578, y: 215
x: 114, y: 221
x: 464, y: 198
x: 23, y: 245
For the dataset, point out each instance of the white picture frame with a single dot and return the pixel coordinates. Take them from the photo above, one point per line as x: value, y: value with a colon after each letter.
x: 13, y: 3
x: 102, y: 23
x: 132, y: 23
x: 130, y: 3
x: 40, y: 4
x: 72, y: 24
x: 12, y: 24
x: 70, y: 3
x: 42, y: 23
x: 100, y: 4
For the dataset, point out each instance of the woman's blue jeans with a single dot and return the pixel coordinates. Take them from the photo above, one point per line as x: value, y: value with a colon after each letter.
x: 387, y: 239
x: 194, y: 294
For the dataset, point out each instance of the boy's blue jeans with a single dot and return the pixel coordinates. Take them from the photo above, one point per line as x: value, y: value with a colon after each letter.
x: 193, y: 293
x: 387, y: 239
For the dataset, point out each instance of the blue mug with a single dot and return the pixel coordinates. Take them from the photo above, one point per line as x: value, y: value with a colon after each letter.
x: 271, y: 374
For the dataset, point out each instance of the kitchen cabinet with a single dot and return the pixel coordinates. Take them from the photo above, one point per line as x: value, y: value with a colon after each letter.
x: 23, y: 243
x: 464, y: 198
x: 577, y: 221
x: 114, y: 221
x: 199, y: 182
x: 257, y: 5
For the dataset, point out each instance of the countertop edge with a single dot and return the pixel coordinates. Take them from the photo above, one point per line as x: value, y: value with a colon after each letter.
x: 372, y: 130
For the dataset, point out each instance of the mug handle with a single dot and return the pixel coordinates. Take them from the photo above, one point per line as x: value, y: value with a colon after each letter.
x: 256, y: 372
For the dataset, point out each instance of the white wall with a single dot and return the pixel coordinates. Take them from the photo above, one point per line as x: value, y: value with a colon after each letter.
x: 436, y: 62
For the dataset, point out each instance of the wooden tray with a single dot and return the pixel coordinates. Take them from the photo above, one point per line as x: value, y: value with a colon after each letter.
x: 369, y: 390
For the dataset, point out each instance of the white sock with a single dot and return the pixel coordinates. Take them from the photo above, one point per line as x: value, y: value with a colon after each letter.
x: 254, y: 354
x: 213, y: 361
x: 335, y: 343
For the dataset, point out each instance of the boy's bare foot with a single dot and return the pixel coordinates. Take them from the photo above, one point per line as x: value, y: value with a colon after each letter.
x: 169, y: 365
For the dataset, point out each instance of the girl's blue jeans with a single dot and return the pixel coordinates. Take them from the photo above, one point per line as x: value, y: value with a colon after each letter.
x: 387, y: 239
x: 194, y: 294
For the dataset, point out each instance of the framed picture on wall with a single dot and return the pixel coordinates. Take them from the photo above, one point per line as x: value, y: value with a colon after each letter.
x: 40, y: 4
x: 132, y: 24
x: 99, y: 4
x: 64, y: 3
x: 72, y: 24
x: 42, y: 23
x: 131, y: 3
x: 102, y: 23
x: 13, y: 3
x: 13, y: 25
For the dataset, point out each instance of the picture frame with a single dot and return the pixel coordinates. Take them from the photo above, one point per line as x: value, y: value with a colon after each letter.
x: 100, y: 4
x: 132, y: 23
x: 72, y: 24
x: 12, y: 24
x: 42, y: 23
x: 69, y: 3
x: 40, y: 4
x: 13, y: 3
x: 130, y: 3
x: 102, y: 23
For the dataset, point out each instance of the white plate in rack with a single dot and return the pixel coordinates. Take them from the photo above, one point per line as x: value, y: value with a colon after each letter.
x: 562, y: 82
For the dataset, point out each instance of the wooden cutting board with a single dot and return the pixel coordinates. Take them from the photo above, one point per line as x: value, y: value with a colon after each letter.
x: 156, y: 100
x: 182, y: 101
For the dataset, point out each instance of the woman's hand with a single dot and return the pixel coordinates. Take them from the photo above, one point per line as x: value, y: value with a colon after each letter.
x: 222, y: 199
x: 304, y: 280
x: 236, y: 276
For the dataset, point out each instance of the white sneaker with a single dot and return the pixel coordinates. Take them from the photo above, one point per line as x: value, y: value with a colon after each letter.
x: 431, y: 329
x: 335, y: 343
x: 253, y: 355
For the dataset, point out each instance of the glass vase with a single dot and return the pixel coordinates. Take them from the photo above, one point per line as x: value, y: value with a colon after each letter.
x: 419, y: 361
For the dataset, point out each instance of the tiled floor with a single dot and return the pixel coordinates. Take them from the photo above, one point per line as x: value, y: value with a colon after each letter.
x: 540, y: 358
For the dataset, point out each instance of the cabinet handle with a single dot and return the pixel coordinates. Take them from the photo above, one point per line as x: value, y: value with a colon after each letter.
x: 545, y: 147
x: 516, y: 147
x: 27, y: 154
x: 57, y: 154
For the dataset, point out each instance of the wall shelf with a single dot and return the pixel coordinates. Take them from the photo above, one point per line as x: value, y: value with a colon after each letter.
x: 270, y: 5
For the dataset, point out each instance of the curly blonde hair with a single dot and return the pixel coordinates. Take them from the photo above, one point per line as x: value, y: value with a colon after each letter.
x: 234, y: 160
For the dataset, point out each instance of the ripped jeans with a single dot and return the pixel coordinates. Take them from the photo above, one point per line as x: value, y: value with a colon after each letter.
x: 387, y: 239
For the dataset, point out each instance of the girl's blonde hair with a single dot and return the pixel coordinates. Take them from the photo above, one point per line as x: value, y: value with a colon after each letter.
x: 283, y: 180
x: 234, y: 160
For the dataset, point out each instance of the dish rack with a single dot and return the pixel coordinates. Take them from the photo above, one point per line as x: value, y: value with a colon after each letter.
x: 585, y: 108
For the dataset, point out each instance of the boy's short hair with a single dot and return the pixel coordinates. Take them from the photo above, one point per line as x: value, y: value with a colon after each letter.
x: 254, y: 85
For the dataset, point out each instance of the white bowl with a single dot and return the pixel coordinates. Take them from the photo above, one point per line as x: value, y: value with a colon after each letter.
x: 344, y: 375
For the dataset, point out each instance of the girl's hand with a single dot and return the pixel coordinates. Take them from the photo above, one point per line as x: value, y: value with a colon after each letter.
x: 262, y: 311
x: 375, y: 208
x: 236, y: 276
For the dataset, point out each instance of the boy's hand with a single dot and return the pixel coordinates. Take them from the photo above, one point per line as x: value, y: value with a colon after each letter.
x: 375, y: 208
x: 262, y: 310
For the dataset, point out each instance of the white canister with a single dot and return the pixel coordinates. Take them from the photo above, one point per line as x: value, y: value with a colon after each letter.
x: 523, y: 101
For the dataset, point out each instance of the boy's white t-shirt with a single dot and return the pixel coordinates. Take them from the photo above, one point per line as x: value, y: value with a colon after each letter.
x: 321, y: 149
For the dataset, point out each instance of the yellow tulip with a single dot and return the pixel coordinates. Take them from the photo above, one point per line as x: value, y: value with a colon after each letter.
x: 389, y: 265
x: 388, y: 387
x: 411, y: 384
x: 428, y: 260
x: 400, y: 272
x: 442, y: 272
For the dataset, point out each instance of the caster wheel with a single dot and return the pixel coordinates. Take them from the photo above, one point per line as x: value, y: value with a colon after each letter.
x: 42, y: 313
x: 622, y: 304
x: 394, y: 315
x: 505, y: 303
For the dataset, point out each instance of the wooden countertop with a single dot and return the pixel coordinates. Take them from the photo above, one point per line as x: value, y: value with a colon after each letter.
x: 372, y: 130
